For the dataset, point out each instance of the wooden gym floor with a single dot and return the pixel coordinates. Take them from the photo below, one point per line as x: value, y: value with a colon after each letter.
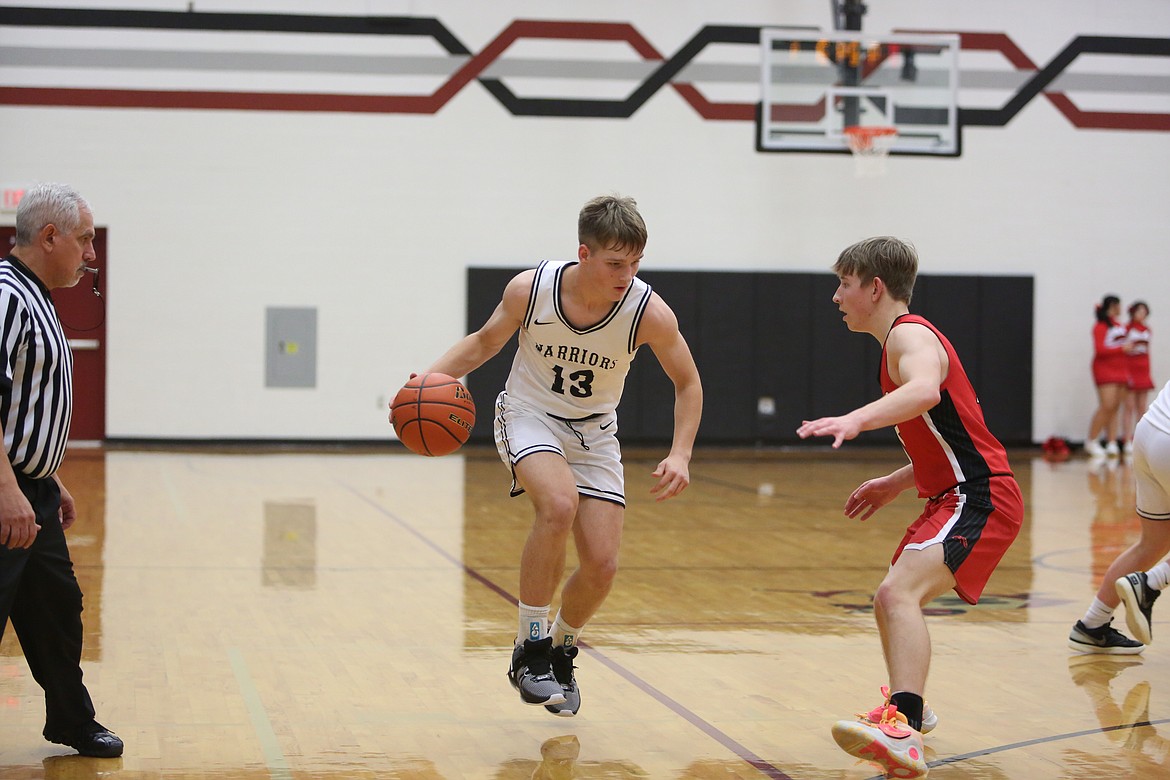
x: 350, y: 614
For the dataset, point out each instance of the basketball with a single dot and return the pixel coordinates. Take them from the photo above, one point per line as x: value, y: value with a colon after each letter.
x: 433, y: 414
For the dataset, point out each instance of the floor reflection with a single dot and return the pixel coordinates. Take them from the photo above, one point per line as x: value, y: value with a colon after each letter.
x: 1118, y: 691
x: 74, y: 767
x: 560, y: 759
x: 290, y: 544
x: 1115, y: 523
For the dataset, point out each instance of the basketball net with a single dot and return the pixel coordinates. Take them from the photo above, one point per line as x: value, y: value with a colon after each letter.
x: 870, y: 147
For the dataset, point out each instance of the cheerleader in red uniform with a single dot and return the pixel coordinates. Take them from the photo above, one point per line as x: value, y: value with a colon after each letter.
x: 1111, y: 376
x: 1137, y: 361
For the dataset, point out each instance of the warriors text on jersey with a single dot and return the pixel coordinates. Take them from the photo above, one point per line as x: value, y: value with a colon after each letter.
x: 948, y: 444
x: 570, y: 371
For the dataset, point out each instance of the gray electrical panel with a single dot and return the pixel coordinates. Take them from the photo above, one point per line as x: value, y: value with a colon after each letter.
x: 290, y: 347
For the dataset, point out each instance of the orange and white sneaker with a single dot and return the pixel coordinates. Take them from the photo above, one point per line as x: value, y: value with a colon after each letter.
x: 929, y: 719
x: 886, y: 741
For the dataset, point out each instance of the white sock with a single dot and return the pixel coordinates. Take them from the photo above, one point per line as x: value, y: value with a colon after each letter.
x: 563, y: 634
x: 533, y: 622
x: 1158, y: 577
x: 1098, y: 614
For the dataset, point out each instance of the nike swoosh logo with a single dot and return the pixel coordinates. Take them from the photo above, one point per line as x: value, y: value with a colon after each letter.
x: 607, y: 425
x: 538, y: 322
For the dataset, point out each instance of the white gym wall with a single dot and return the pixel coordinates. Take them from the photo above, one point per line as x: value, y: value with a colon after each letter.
x: 216, y: 215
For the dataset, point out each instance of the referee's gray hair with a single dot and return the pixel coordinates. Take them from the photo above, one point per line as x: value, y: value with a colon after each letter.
x: 48, y: 204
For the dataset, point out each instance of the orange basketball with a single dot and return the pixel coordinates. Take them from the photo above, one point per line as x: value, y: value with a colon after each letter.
x: 433, y: 414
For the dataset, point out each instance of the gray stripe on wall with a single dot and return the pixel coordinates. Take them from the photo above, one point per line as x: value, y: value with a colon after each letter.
x: 577, y: 69
x: 144, y: 59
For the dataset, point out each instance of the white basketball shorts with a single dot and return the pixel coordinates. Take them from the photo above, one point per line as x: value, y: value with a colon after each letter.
x: 589, y: 445
x: 1151, y: 466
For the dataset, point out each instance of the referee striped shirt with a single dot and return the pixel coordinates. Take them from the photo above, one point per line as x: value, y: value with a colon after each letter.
x: 36, y: 388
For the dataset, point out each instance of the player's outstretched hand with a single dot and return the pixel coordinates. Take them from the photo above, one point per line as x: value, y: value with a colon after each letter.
x: 673, y: 477
x: 871, y: 496
x: 840, y: 428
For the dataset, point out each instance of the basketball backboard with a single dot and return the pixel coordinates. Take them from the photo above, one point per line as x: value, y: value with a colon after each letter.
x: 814, y: 85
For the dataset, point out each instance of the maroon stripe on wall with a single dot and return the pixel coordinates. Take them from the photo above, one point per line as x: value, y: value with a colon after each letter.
x: 241, y: 101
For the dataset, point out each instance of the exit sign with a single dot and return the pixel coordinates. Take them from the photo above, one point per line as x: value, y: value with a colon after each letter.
x: 10, y: 197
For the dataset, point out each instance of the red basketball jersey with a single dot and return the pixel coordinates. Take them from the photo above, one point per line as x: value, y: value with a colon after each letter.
x: 949, y: 444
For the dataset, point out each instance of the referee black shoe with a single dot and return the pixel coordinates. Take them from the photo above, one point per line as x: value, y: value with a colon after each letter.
x: 1103, y: 639
x: 94, y: 740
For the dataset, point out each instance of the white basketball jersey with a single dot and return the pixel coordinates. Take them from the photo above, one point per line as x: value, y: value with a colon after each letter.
x: 569, y: 372
x: 1158, y: 412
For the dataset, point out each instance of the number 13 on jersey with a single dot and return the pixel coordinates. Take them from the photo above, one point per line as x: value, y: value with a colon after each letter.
x: 581, y: 382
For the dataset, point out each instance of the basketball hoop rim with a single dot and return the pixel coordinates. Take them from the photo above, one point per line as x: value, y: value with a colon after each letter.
x: 863, y: 139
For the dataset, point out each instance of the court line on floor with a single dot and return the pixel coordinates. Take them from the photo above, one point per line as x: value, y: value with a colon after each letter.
x: 707, y: 728
x: 274, y: 757
x: 1038, y: 741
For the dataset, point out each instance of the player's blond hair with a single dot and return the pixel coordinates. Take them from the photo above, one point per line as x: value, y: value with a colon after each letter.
x: 890, y: 259
x: 611, y: 222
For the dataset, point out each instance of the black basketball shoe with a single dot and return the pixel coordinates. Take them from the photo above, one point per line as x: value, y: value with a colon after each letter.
x: 531, y: 673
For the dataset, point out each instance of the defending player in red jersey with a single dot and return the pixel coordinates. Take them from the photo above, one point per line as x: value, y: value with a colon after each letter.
x: 973, y: 510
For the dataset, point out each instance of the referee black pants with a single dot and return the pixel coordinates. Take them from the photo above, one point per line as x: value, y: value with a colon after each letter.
x: 40, y: 594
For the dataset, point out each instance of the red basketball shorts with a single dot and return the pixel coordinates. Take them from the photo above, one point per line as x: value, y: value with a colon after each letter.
x: 975, y: 523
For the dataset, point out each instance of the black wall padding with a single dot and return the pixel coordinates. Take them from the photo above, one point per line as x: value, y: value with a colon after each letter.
x: 779, y: 335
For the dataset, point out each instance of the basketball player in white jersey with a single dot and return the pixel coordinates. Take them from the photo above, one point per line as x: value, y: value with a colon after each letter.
x: 1123, y: 581
x: 580, y: 323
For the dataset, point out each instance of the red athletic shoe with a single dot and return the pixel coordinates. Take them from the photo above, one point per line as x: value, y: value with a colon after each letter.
x: 882, y: 736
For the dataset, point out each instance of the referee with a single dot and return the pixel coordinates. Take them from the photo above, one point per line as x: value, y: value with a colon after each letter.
x: 38, y: 591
